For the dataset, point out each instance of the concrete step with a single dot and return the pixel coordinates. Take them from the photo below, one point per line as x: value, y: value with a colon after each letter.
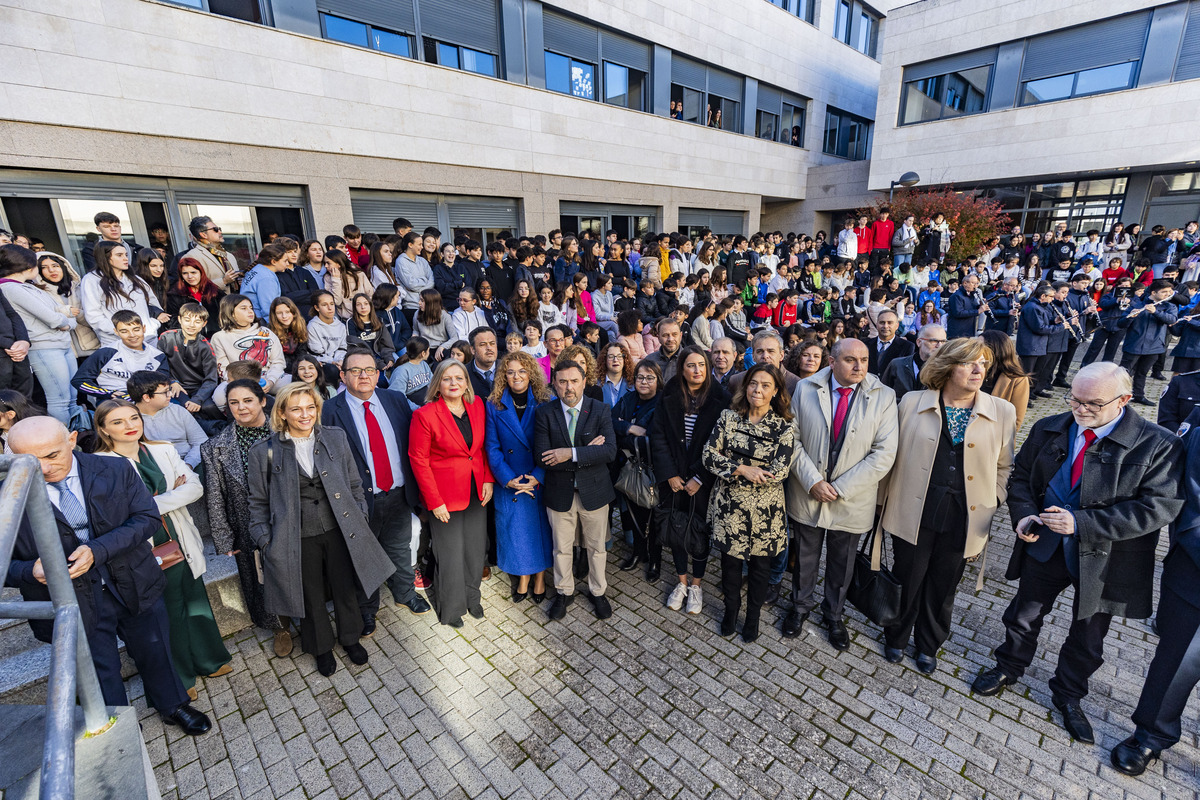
x: 25, y: 662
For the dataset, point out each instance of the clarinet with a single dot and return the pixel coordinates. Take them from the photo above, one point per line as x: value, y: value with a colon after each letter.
x: 1069, y: 327
x: 982, y: 301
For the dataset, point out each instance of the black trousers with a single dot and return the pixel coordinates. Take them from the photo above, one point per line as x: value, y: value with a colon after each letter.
x: 757, y: 582
x: 1045, y: 374
x: 1139, y: 367
x: 1185, y: 364
x: 839, y: 567
x: 147, y: 638
x: 391, y: 522
x: 645, y: 535
x: 1064, y: 363
x: 1034, y: 366
x: 325, y: 561
x: 1104, y: 346
x: 1174, y: 672
x: 1083, y: 651
x: 929, y: 572
x: 16, y: 375
x: 459, y: 550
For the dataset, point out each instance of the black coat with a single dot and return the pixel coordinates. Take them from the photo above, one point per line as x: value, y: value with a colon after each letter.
x: 899, y: 376
x: 899, y: 348
x: 588, y: 475
x: 670, y: 453
x: 123, y: 516
x: 1129, y: 491
x: 1181, y: 567
x: 299, y: 285
x: 1179, y: 400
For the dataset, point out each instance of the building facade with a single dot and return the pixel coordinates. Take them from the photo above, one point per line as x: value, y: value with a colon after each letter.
x: 1079, y: 112
x: 476, y: 116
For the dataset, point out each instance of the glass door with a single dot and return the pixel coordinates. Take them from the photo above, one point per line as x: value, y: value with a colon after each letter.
x: 238, y: 224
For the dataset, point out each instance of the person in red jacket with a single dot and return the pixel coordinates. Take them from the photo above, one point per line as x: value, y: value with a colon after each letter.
x: 446, y: 448
x: 863, y: 231
x: 359, y: 253
x: 1114, y: 272
x: 881, y: 238
x: 787, y: 313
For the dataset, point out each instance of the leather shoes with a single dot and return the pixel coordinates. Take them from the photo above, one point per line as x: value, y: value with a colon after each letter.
x: 519, y: 597
x: 416, y: 604
x: 558, y: 608
x: 538, y: 597
x: 1075, y: 722
x: 729, y: 624
x: 190, y: 720
x: 456, y: 622
x: 1131, y: 757
x: 893, y: 655
x: 794, y: 623
x: 749, y: 630
x: 653, y: 571
x: 601, y: 606
x: 926, y: 664
x: 1141, y: 401
x: 326, y: 664
x: 839, y: 637
x: 631, y: 563
x: 1061, y: 384
x: 283, y: 643
x: 368, y: 629
x: 487, y: 573
x: 476, y: 612
x: 991, y: 682
x: 772, y: 595
x: 358, y: 653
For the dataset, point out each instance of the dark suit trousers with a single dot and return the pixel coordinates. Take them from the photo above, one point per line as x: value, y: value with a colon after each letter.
x: 147, y: 638
x: 459, y: 550
x: 1139, y: 367
x: 391, y: 522
x: 1064, y: 363
x: 1045, y: 374
x: 1104, y: 345
x: 1173, y: 674
x: 325, y: 560
x: 929, y: 572
x: 839, y: 567
x: 1034, y: 366
x: 1083, y: 651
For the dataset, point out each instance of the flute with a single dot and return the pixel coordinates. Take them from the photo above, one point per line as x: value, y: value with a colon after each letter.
x: 1067, y: 325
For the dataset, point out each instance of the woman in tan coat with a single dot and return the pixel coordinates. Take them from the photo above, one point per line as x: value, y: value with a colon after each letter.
x: 1006, y: 378
x: 956, y: 445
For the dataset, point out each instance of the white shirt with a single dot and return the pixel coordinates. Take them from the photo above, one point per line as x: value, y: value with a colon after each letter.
x: 1100, y: 432
x: 304, y: 451
x: 385, y: 426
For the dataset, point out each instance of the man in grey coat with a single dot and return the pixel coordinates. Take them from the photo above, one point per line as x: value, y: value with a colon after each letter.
x: 1088, y: 494
x: 843, y: 451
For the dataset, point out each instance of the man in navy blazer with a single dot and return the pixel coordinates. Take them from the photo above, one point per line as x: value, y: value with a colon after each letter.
x: 105, y: 516
x: 573, y: 438
x: 376, y: 423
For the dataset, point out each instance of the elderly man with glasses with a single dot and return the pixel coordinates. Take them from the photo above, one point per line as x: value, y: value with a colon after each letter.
x: 1089, y: 492
x: 902, y: 375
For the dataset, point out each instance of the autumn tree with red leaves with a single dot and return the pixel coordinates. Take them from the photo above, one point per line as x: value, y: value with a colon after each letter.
x: 973, y: 219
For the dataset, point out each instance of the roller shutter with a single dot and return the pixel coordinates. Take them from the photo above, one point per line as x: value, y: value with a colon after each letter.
x: 483, y: 213
x: 570, y: 37
x: 955, y: 63
x: 625, y: 51
x: 470, y: 23
x: 374, y: 211
x: 1188, y: 65
x: 393, y: 14
x: 1097, y: 44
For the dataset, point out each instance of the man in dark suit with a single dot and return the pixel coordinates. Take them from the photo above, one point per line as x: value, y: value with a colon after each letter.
x: 902, y: 375
x: 105, y: 516
x: 376, y: 423
x: 574, y: 437
x: 1088, y: 493
x: 1175, y: 670
x: 963, y: 309
x: 886, y: 346
x: 482, y: 369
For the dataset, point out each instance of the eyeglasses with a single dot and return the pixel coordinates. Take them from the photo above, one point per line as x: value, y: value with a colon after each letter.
x: 359, y: 372
x: 645, y: 378
x: 615, y: 357
x: 1090, y: 408
x: 164, y: 392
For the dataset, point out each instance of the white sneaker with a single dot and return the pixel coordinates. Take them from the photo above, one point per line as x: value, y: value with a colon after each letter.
x: 695, y: 600
x: 675, y: 601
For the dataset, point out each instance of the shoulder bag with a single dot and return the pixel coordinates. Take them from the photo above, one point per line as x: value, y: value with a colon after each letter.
x: 874, y: 590
x: 636, y: 479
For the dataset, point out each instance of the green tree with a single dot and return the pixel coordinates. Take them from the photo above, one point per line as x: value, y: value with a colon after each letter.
x: 973, y: 219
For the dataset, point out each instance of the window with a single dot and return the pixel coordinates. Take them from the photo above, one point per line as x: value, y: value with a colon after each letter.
x: 569, y: 76
x: 846, y: 135
x: 841, y: 23
x: 624, y: 86
x: 464, y: 58
x: 951, y: 95
x: 868, y: 33
x: 247, y: 10
x: 685, y: 103
x: 723, y: 113
x: 807, y: 10
x: 766, y: 125
x: 356, y: 33
x: 1081, y: 205
x: 1078, y: 84
x: 792, y: 125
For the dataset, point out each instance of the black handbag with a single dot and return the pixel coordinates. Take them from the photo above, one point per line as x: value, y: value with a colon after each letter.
x: 636, y: 480
x: 874, y: 590
x: 683, y: 529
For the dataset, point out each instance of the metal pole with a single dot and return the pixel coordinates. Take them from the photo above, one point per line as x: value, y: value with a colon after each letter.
x: 58, y: 748
x: 62, y: 592
x: 892, y: 190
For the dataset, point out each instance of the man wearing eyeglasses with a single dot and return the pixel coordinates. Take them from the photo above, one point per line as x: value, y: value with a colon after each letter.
x: 220, y: 265
x: 1089, y: 492
x: 902, y: 374
x: 376, y: 423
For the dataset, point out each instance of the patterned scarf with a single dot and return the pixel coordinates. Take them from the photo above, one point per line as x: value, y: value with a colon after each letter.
x: 247, y: 438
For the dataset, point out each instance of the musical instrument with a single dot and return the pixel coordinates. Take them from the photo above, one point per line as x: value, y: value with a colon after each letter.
x: 1070, y: 328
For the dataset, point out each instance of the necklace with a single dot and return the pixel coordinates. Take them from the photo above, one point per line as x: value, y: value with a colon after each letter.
x: 520, y: 406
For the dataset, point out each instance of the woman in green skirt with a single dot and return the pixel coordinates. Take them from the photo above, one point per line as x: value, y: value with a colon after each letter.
x: 196, y: 645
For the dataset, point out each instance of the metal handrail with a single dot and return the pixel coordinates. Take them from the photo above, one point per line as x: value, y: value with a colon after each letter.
x: 72, y: 673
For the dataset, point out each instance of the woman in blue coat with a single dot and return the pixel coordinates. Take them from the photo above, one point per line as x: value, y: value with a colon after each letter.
x: 523, y: 544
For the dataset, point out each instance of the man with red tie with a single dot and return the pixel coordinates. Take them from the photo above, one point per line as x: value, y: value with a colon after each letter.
x: 846, y: 438
x: 1088, y: 494
x: 376, y: 423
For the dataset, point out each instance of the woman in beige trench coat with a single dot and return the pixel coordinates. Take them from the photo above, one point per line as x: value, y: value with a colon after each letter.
x: 956, y: 445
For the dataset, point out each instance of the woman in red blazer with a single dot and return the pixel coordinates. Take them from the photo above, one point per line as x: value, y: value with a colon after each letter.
x: 446, y: 447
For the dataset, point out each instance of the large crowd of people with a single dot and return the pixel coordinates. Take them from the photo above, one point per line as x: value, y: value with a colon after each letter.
x: 404, y: 410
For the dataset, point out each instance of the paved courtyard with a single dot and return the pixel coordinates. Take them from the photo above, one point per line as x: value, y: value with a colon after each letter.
x: 655, y: 704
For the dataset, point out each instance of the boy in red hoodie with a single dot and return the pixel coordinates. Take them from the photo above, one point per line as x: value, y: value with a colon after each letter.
x: 355, y: 249
x: 788, y: 311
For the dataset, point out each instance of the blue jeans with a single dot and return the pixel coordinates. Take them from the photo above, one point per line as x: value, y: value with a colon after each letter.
x: 54, y: 370
x: 901, y: 258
